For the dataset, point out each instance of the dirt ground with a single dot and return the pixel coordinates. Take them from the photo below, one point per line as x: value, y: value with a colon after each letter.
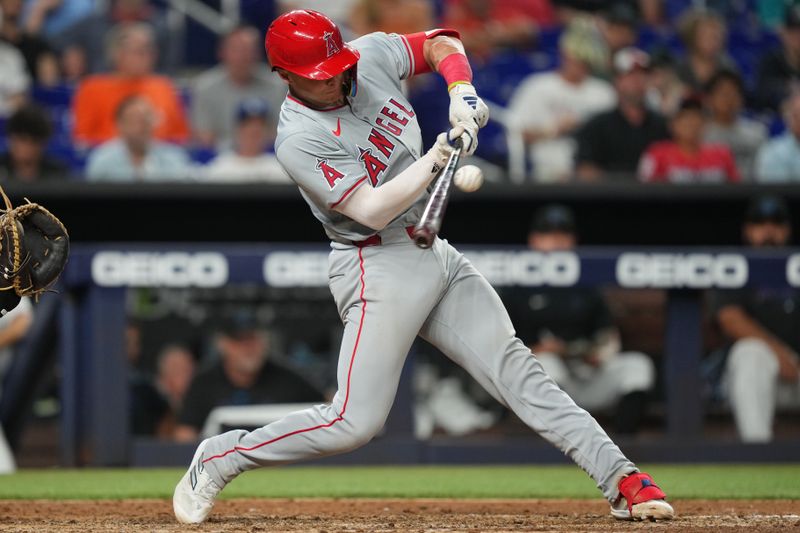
x: 356, y: 515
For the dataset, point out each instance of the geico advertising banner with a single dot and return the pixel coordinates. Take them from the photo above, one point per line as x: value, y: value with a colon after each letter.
x: 307, y: 266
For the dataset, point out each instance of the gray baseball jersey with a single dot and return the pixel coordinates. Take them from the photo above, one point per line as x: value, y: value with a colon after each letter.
x: 389, y: 293
x: 365, y: 142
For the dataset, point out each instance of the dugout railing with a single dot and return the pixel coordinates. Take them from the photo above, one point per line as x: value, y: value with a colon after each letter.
x: 94, y: 372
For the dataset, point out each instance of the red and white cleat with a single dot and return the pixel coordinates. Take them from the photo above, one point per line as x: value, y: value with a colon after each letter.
x: 641, y: 499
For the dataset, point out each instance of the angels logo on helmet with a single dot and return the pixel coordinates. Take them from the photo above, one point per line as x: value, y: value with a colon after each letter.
x: 330, y: 43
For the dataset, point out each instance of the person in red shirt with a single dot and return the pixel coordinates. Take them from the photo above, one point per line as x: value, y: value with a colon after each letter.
x: 684, y: 158
x: 95, y: 103
x: 486, y: 25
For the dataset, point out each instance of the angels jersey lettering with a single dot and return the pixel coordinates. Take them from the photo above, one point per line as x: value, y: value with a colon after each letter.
x: 378, y: 137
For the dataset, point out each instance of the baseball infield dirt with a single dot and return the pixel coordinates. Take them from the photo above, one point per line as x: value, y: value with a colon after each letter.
x: 393, y: 516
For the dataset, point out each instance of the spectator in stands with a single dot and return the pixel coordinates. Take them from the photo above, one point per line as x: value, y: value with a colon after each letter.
x: 779, y: 71
x: 619, y: 25
x: 40, y: 60
x: 763, y: 366
x: 93, y: 32
x: 571, y: 332
x: 176, y: 366
x: 155, y: 405
x: 27, y: 133
x: 133, y: 53
x: 51, y: 17
x: 338, y: 11
x: 217, y: 92
x: 72, y: 62
x: 487, y: 25
x: 249, y: 160
x: 135, y: 155
x: 665, y: 90
x: 651, y: 11
x: 391, y: 16
x: 244, y: 375
x: 14, y: 325
x: 685, y: 158
x: 778, y: 161
x: 727, y: 126
x: 547, y: 108
x: 15, y: 81
x: 612, y: 142
x: 704, y: 34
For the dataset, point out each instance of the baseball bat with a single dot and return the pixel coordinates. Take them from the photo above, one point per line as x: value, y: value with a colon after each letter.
x: 431, y: 220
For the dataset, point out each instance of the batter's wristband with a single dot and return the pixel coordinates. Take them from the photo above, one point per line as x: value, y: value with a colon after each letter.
x: 450, y: 87
x: 455, y: 70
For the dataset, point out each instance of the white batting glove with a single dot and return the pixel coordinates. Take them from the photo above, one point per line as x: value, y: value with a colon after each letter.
x: 466, y: 107
x: 468, y: 178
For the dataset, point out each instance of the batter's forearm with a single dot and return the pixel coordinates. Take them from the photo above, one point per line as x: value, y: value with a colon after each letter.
x: 376, y: 207
x: 439, y: 47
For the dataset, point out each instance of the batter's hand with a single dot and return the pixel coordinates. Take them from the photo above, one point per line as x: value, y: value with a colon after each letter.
x: 466, y: 107
x: 445, y: 143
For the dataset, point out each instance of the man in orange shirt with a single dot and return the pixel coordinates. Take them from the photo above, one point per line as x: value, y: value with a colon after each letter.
x: 132, y: 52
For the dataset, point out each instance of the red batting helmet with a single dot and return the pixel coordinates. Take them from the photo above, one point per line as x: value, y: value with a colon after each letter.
x: 309, y: 44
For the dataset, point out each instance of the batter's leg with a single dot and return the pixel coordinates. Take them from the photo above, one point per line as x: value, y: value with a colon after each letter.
x: 471, y: 326
x: 382, y: 318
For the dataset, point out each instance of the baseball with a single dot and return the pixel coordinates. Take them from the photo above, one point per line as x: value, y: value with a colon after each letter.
x: 468, y: 178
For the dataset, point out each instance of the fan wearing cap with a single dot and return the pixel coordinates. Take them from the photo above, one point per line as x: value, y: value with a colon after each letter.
x: 762, y: 366
x: 572, y: 333
x: 611, y: 143
x: 245, y: 374
x: 685, y: 158
x: 778, y: 160
x: 548, y: 107
x: 250, y: 159
x: 779, y: 69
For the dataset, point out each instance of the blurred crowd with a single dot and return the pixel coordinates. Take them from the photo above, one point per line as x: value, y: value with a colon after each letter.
x: 679, y: 91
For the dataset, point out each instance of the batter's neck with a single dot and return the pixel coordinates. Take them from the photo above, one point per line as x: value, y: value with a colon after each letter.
x: 317, y: 107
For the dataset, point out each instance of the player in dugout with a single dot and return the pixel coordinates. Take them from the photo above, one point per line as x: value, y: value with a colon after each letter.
x: 350, y: 140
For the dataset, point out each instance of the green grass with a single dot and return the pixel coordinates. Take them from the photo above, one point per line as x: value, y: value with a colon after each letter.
x: 685, y: 481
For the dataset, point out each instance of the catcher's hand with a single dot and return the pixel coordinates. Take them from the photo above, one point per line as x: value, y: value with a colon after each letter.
x: 34, y: 246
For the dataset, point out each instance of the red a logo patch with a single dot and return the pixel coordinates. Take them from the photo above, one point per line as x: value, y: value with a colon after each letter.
x: 373, y: 165
x: 331, y: 46
x: 331, y: 174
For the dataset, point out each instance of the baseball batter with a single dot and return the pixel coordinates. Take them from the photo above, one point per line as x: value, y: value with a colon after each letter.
x: 351, y: 141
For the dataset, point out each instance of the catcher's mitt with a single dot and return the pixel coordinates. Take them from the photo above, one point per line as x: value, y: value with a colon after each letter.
x: 34, y: 246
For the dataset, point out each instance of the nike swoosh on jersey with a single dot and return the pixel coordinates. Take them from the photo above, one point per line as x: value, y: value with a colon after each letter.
x: 338, y: 130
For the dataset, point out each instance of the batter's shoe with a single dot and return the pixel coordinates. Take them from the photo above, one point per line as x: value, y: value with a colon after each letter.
x: 195, y: 492
x: 641, y: 499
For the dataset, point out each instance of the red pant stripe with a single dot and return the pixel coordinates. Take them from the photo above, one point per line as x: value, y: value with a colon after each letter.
x: 347, y: 390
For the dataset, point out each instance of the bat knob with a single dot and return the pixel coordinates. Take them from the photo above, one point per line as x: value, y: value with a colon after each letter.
x: 422, y: 242
x: 423, y: 238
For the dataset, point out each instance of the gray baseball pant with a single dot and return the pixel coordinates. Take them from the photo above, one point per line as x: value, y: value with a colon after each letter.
x: 386, y: 296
